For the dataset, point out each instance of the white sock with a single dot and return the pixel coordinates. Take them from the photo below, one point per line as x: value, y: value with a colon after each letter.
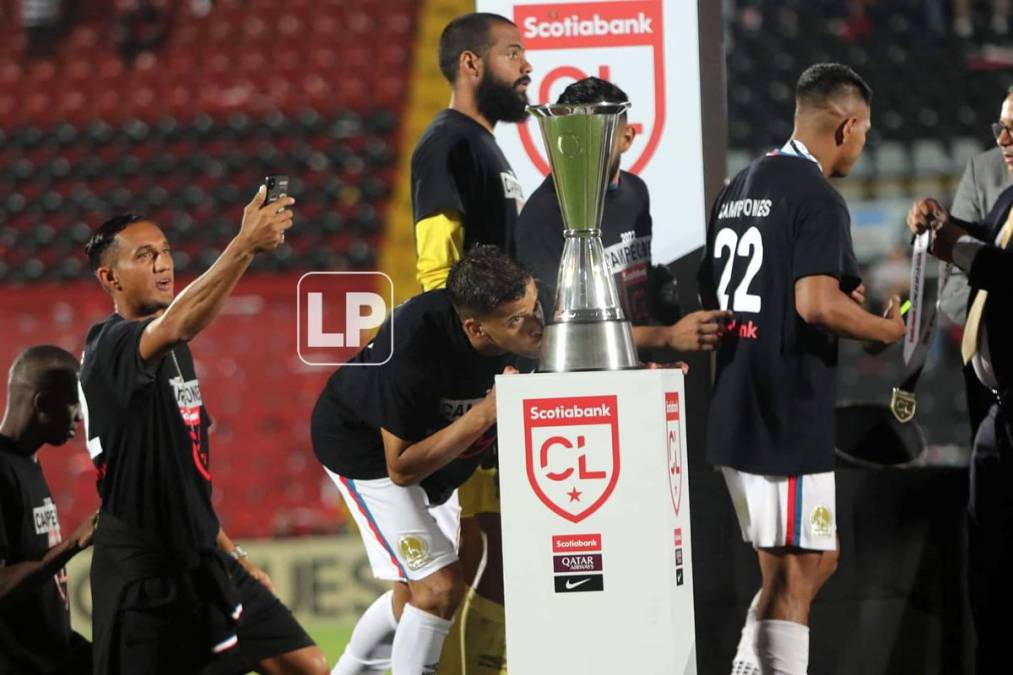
x: 745, y: 661
x: 368, y: 650
x: 418, y: 642
x: 783, y: 647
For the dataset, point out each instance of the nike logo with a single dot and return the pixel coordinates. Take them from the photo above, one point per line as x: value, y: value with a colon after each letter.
x: 579, y: 583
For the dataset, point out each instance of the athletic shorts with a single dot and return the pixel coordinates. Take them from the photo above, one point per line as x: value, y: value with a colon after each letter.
x: 406, y: 539
x: 161, y: 634
x: 480, y: 493
x: 776, y: 511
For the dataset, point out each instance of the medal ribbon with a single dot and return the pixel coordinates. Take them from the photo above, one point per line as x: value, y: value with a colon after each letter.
x: 921, y: 324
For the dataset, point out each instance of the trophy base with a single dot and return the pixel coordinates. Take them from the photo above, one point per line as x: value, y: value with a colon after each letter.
x: 601, y: 345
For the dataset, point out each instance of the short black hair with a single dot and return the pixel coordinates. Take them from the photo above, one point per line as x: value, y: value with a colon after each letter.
x: 592, y: 90
x: 36, y: 366
x: 484, y: 279
x: 824, y: 81
x: 467, y: 33
x: 105, y: 235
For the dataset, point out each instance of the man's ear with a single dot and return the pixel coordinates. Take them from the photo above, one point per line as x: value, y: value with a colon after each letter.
x: 469, y: 64
x: 108, y: 279
x: 473, y: 327
x: 40, y: 404
x: 844, y: 129
x: 626, y: 139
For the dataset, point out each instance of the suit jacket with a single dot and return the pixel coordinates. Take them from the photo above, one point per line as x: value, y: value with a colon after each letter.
x: 992, y: 270
x: 984, y: 179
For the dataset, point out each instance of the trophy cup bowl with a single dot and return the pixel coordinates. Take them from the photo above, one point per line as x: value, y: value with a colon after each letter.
x: 587, y: 330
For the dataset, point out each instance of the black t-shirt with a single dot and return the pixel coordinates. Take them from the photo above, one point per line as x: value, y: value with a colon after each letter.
x: 147, y: 433
x: 35, y: 632
x: 625, y: 233
x: 457, y: 166
x: 772, y: 408
x: 433, y: 377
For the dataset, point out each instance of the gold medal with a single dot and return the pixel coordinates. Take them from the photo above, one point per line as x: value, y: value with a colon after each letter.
x: 903, y: 405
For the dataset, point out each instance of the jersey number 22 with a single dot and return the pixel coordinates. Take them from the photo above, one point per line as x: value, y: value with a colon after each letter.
x: 749, y: 246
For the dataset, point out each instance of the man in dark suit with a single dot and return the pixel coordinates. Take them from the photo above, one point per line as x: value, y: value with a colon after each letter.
x: 982, y: 250
x: 987, y: 174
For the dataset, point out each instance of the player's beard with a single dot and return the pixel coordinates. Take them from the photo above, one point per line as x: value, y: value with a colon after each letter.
x: 500, y: 101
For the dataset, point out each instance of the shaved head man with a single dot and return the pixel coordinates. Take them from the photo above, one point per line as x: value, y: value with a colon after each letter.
x: 42, y: 409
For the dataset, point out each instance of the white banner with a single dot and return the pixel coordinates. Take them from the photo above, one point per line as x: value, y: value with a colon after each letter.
x: 648, y: 48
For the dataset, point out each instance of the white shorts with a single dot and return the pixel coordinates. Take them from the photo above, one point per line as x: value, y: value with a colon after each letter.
x: 406, y: 538
x: 775, y: 511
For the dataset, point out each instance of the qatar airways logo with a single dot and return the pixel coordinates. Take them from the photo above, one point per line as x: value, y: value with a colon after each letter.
x: 595, y: 25
x: 564, y: 412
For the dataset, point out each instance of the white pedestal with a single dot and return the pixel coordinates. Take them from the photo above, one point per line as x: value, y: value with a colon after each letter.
x: 596, y: 537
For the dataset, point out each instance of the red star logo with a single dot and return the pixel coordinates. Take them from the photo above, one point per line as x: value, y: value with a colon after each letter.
x: 574, y: 495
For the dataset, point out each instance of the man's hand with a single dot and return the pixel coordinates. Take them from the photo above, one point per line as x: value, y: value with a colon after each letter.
x: 263, y: 229
x: 893, y: 315
x: 82, y: 536
x: 858, y: 295
x: 946, y: 237
x: 257, y: 574
x: 487, y: 405
x: 698, y: 331
x: 926, y: 214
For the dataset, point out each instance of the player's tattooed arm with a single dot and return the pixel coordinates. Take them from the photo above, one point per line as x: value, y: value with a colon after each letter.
x: 199, y: 303
x: 18, y: 579
x: 410, y: 463
x: 820, y: 301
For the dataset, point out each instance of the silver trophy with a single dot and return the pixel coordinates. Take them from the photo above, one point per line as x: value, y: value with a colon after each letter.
x: 588, y: 330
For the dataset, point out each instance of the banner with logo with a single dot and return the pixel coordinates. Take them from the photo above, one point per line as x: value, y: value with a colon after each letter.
x: 649, y: 48
x: 596, y: 522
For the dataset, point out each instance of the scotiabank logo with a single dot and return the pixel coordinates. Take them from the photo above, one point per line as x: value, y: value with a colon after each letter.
x: 582, y: 26
x: 616, y: 41
x: 572, y: 452
x: 576, y: 543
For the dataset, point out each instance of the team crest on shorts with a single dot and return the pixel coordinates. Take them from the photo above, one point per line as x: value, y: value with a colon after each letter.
x: 821, y: 522
x: 414, y: 551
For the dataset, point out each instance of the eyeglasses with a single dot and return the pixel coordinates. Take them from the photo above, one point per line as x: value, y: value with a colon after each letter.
x: 998, y: 128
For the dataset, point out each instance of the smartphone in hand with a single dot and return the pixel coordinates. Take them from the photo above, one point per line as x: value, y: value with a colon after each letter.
x: 277, y: 187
